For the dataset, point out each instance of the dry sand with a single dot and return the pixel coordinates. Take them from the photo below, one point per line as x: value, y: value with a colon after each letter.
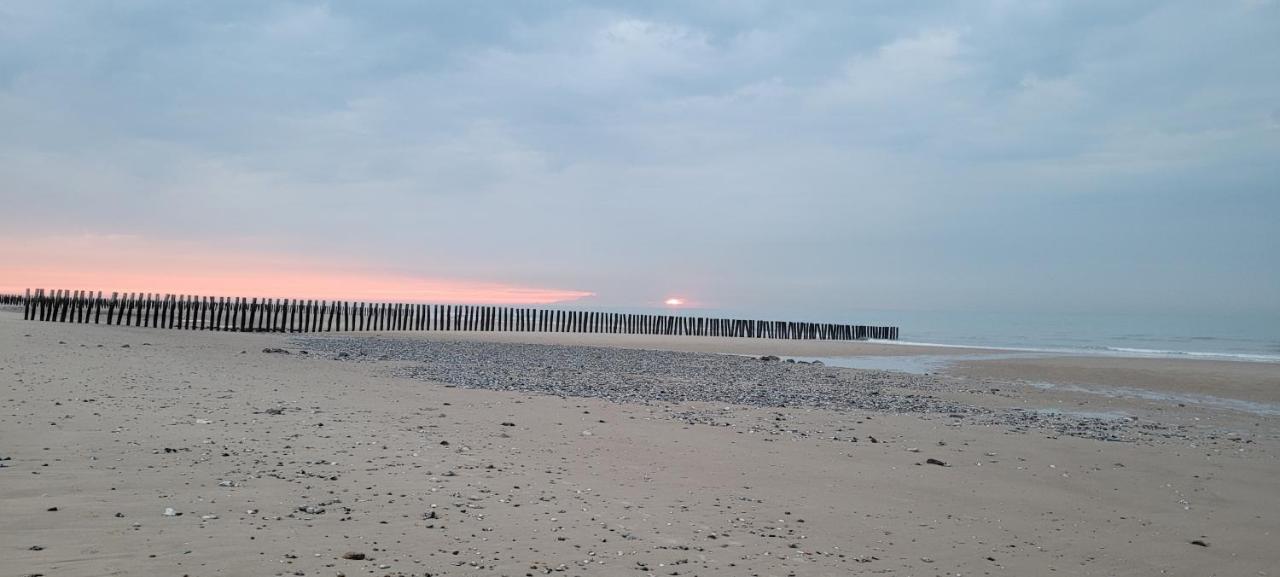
x: 422, y: 478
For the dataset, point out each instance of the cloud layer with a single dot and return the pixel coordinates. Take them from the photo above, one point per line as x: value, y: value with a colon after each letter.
x: 1068, y: 155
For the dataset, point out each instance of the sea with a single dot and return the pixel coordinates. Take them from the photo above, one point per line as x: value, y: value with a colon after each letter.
x: 1232, y: 337
x: 1237, y: 337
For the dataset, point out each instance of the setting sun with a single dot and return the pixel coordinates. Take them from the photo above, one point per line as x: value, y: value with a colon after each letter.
x: 673, y: 302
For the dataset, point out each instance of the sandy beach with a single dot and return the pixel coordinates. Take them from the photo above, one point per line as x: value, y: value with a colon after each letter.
x: 151, y: 452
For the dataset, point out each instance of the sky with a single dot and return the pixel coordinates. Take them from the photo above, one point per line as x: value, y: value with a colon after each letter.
x: 746, y: 155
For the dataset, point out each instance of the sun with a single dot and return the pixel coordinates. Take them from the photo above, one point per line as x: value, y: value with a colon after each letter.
x: 673, y: 302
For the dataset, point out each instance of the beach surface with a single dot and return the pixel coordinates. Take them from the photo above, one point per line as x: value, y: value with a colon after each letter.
x: 132, y: 451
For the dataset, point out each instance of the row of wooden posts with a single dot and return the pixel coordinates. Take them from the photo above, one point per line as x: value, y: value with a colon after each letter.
x: 308, y: 316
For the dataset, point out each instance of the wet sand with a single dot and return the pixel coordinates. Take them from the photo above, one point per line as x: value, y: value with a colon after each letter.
x: 1249, y: 381
x: 281, y: 464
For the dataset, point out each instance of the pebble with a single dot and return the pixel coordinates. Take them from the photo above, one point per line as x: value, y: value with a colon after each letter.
x: 651, y: 376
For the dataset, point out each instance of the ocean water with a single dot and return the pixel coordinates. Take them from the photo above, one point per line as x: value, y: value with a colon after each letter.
x: 1226, y: 337
x: 1238, y: 337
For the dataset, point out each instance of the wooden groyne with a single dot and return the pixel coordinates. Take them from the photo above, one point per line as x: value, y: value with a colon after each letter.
x: 243, y: 314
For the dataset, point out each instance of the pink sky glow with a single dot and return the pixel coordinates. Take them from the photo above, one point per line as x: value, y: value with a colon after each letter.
x: 132, y: 264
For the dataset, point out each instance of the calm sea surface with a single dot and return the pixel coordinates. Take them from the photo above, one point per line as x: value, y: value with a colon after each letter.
x: 1228, y: 337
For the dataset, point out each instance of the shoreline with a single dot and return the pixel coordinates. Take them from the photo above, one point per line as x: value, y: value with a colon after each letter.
x: 132, y: 451
x: 807, y: 348
x: 1251, y: 382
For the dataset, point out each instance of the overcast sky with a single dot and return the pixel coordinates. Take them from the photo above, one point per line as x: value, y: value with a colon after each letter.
x: 1001, y: 155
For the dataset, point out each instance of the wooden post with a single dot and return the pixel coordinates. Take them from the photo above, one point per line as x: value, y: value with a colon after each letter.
x: 271, y: 323
x: 251, y: 320
x: 111, y: 307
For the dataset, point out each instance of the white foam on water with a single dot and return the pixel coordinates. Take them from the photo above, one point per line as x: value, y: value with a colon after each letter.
x: 1102, y: 351
x: 1199, y: 355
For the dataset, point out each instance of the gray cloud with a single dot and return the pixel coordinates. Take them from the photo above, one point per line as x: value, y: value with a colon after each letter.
x: 1062, y: 155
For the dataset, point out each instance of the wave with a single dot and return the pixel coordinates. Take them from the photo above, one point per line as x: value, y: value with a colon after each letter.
x: 1102, y: 351
x: 1197, y: 354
